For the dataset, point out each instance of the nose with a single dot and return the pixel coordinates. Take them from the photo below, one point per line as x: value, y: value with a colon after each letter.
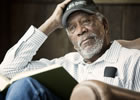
x: 81, y: 30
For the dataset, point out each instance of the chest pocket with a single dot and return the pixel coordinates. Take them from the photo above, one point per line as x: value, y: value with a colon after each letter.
x: 111, y: 77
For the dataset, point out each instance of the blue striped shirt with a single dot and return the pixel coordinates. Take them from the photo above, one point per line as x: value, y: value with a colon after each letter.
x: 127, y: 62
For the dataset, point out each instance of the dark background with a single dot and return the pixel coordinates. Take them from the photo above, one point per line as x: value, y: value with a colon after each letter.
x: 16, y: 16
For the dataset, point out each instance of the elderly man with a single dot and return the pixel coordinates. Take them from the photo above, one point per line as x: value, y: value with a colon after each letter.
x: 97, y: 58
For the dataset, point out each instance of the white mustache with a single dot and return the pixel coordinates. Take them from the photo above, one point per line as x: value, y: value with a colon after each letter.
x: 85, y: 37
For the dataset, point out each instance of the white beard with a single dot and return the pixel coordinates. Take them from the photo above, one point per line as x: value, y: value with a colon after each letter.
x: 88, y: 53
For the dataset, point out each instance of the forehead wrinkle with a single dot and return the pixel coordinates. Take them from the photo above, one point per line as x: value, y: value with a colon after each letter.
x: 77, y: 13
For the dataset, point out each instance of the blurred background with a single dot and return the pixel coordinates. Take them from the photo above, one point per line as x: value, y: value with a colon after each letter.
x: 16, y: 16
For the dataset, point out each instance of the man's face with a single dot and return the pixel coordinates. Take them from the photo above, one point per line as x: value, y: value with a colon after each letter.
x: 87, y: 33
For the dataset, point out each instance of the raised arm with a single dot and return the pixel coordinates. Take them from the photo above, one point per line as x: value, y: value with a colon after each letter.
x: 134, y: 44
x: 54, y: 21
x: 19, y: 57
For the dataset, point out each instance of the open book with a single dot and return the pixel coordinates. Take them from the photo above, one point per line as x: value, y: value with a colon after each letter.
x: 54, y: 77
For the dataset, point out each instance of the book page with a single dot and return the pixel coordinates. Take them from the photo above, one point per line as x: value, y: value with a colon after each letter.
x: 4, y: 82
x: 33, y: 72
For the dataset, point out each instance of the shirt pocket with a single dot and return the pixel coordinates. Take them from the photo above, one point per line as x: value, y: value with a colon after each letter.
x: 116, y: 81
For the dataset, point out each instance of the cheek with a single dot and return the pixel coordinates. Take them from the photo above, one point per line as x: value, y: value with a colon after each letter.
x: 98, y: 30
x: 73, y: 40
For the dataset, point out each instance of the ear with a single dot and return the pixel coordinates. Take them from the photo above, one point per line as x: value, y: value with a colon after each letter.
x: 106, y: 28
x: 106, y: 25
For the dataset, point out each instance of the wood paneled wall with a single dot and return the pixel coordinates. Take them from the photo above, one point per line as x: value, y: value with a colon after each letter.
x: 124, y: 20
x: 18, y: 15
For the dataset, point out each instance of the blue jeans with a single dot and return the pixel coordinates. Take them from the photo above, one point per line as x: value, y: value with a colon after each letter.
x: 29, y: 89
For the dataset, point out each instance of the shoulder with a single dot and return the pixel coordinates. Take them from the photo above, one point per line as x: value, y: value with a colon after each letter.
x: 123, y: 54
x: 125, y: 50
x: 131, y: 57
x: 130, y: 52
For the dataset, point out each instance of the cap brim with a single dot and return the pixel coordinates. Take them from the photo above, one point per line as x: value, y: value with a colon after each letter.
x: 67, y: 14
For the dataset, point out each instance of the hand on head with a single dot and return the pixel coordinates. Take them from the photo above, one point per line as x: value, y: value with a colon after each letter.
x: 54, y: 21
x: 57, y: 14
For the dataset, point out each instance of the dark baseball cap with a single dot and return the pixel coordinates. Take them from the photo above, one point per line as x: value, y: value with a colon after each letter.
x: 78, y: 5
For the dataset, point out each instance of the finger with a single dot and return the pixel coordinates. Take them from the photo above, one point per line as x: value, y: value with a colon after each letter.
x: 66, y: 2
x: 63, y: 4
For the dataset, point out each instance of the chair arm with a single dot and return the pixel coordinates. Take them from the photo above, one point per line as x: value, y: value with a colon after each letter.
x: 96, y: 90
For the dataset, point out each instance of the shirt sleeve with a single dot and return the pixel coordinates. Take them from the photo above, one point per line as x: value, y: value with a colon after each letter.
x: 20, y: 55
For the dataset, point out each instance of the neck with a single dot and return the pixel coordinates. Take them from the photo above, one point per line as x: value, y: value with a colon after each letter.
x: 95, y: 57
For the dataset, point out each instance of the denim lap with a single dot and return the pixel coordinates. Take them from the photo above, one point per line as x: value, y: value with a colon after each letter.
x: 29, y: 89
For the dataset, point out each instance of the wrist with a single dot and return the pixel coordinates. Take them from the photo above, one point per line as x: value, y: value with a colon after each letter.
x: 49, y: 26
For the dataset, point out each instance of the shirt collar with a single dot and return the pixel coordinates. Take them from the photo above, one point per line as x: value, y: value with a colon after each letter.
x: 113, y: 53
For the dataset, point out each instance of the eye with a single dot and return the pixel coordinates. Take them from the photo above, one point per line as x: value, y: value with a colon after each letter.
x: 71, y: 28
x: 86, y: 22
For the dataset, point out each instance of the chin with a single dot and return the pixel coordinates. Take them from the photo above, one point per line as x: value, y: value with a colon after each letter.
x: 91, y: 51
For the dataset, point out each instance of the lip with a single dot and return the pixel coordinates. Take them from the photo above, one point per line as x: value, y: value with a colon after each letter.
x: 84, y: 40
